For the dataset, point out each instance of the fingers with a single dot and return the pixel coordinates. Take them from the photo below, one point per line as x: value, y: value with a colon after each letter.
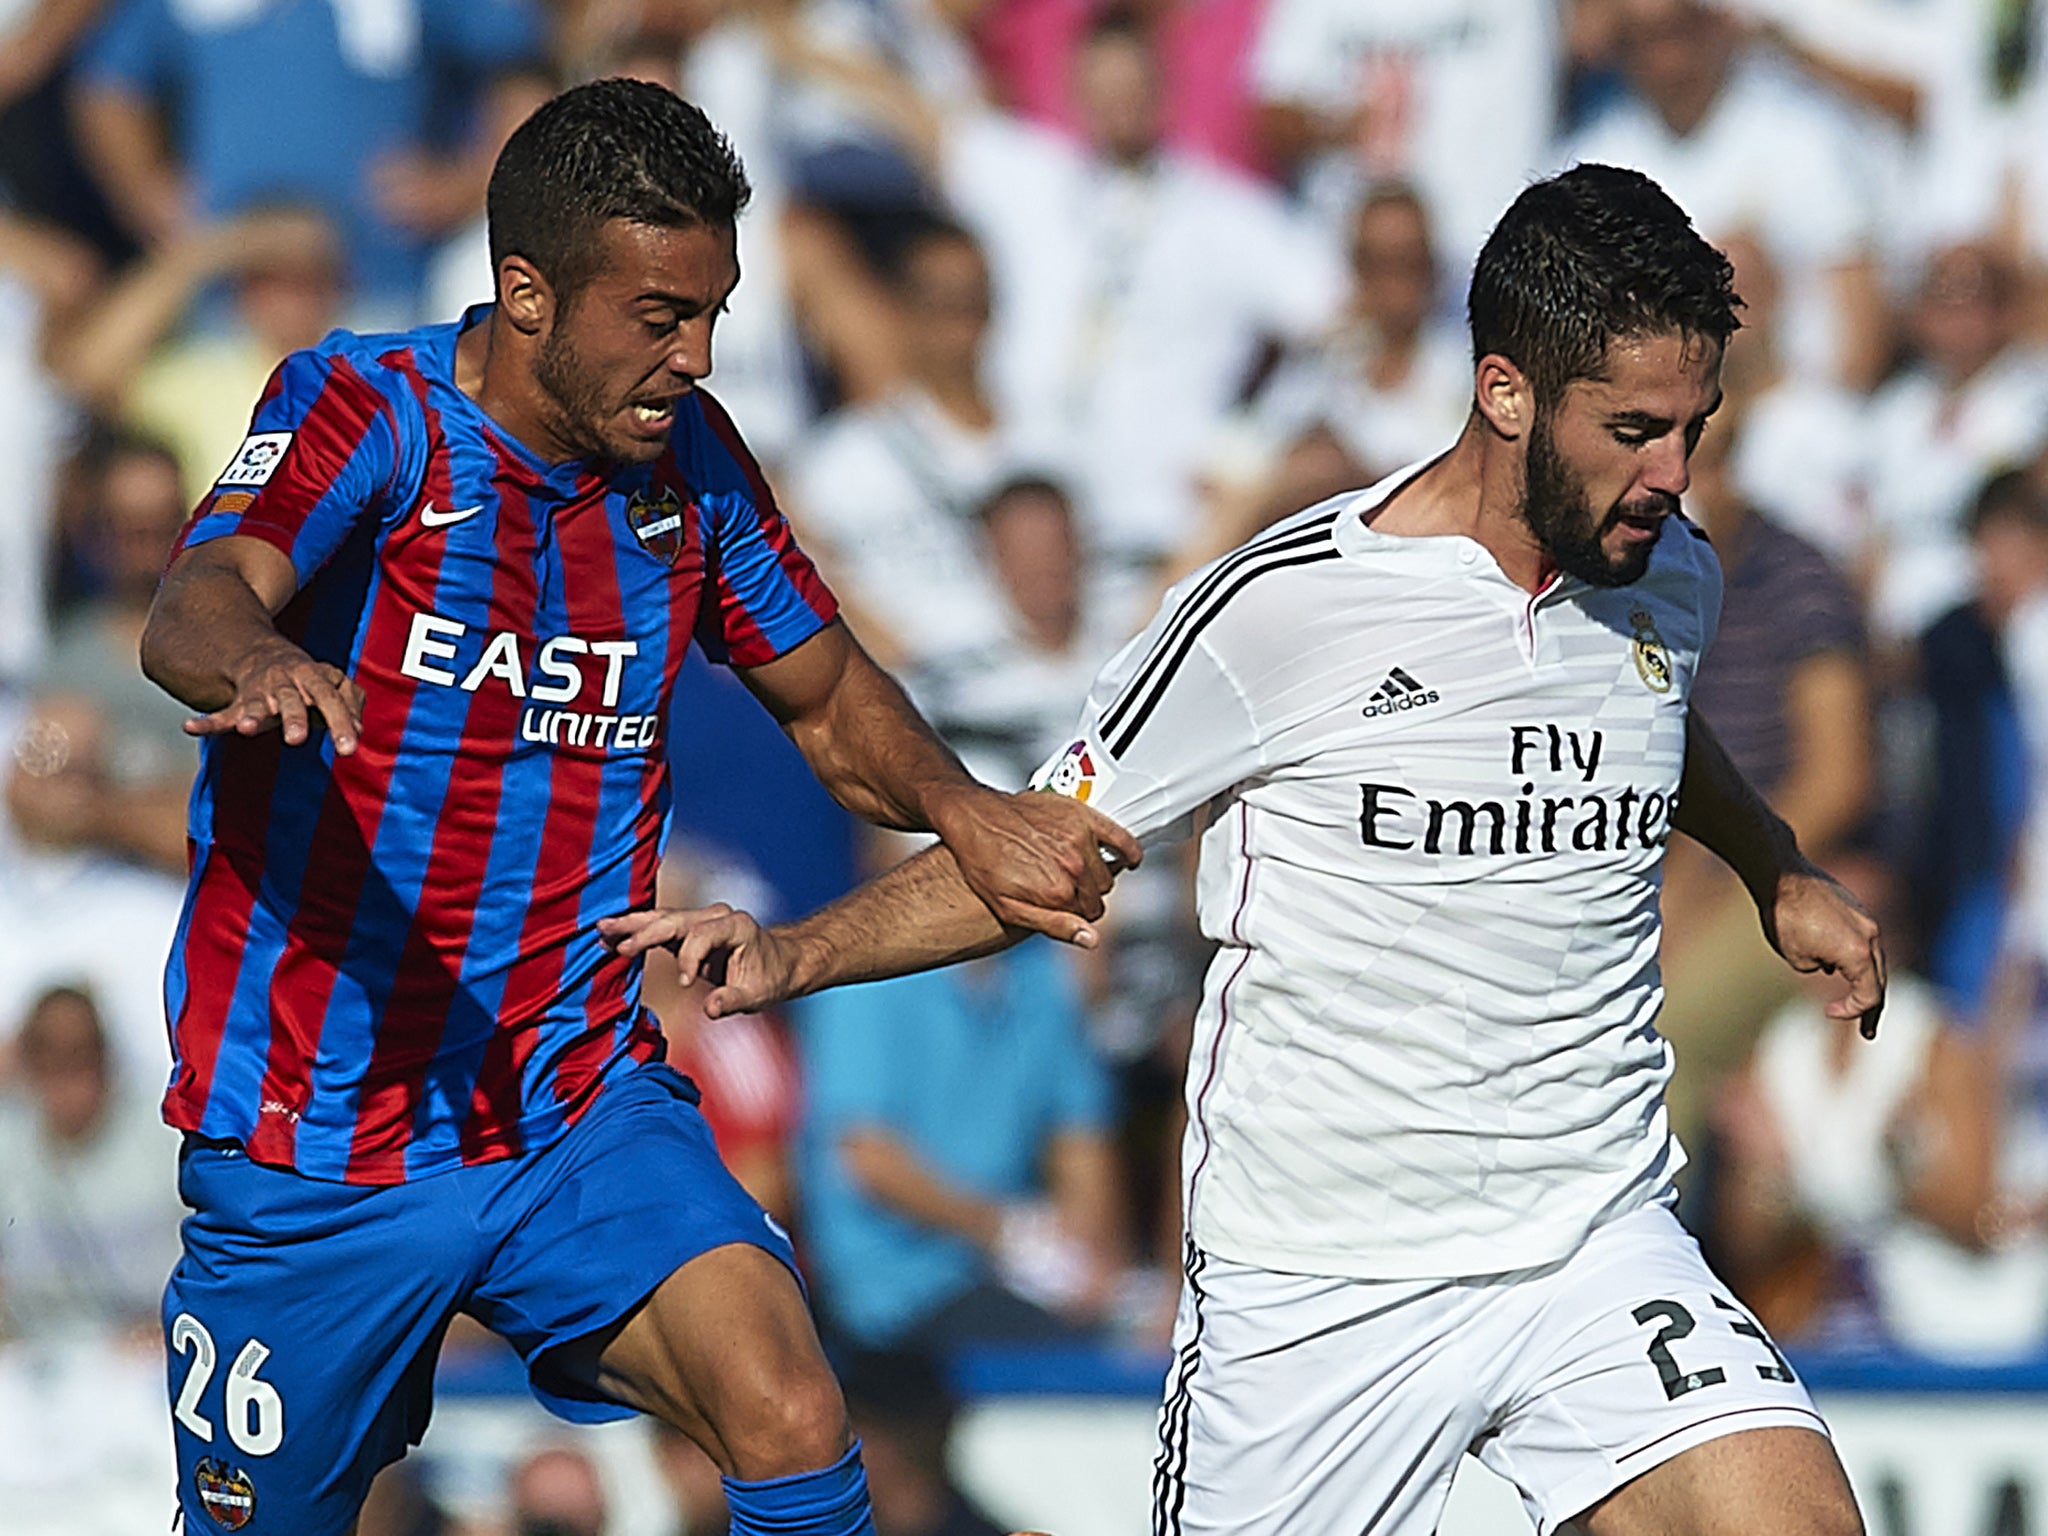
x: 1113, y: 837
x: 290, y: 700
x: 1067, y: 927
x: 342, y: 714
x: 1865, y: 973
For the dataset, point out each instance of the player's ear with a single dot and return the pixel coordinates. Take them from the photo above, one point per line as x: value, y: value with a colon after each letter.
x: 1504, y: 396
x: 525, y: 298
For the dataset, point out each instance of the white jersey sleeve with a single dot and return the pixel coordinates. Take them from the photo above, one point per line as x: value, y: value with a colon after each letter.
x: 1200, y: 737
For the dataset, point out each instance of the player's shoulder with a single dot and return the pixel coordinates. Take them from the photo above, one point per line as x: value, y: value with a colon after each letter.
x: 359, y: 369
x: 707, y: 450
x: 1262, y: 591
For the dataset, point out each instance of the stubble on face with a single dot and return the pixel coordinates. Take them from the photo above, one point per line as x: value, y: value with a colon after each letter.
x: 1569, y: 531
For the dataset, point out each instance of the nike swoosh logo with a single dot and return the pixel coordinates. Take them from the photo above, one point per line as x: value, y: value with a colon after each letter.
x: 435, y: 517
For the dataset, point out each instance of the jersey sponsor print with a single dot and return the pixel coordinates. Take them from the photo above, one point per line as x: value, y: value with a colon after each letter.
x: 1436, y: 813
x: 388, y: 962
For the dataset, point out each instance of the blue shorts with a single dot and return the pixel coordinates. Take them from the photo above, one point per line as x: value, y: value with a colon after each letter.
x: 305, y: 1317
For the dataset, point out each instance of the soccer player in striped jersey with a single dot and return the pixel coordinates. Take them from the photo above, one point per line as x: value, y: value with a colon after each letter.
x: 1441, y: 731
x: 432, y: 615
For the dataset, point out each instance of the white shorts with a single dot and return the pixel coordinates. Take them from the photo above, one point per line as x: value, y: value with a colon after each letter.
x: 1313, y: 1406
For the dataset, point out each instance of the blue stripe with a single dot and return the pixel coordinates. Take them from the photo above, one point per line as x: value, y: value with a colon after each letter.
x: 753, y: 571
x: 398, y: 866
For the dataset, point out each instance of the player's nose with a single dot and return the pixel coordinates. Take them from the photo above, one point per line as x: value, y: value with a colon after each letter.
x: 1669, y: 469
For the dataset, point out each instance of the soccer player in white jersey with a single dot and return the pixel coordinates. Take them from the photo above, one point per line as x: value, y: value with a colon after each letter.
x: 1441, y: 734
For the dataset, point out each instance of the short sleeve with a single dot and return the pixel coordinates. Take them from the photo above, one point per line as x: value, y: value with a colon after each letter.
x: 763, y: 596
x: 321, y: 454
x: 1166, y: 728
x: 135, y: 47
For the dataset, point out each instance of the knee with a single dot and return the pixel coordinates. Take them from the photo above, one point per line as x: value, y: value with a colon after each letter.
x: 784, y: 1422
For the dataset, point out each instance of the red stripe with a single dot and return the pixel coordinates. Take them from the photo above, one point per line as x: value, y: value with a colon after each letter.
x: 743, y: 638
x: 245, y: 772
x: 561, y: 871
x: 272, y: 388
x: 1244, y: 896
x: 428, y: 973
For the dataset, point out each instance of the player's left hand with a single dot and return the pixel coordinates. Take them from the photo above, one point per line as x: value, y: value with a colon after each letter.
x: 1818, y: 926
x: 750, y: 967
x: 1035, y: 859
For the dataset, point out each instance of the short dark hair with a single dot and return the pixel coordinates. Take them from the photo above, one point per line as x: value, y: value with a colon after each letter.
x: 1589, y: 256
x: 1020, y: 486
x: 612, y: 149
x: 2009, y: 496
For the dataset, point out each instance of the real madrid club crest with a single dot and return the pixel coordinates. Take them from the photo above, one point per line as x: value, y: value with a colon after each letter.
x: 656, y: 518
x: 225, y: 1492
x: 1653, y: 662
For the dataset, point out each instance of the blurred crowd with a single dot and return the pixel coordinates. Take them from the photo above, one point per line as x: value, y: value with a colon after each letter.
x: 1045, y: 303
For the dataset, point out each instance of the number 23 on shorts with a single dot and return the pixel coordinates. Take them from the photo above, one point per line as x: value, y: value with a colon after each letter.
x: 1679, y: 1323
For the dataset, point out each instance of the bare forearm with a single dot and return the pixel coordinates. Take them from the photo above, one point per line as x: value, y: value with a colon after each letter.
x: 876, y: 755
x: 103, y: 353
x: 1720, y: 808
x: 1088, y: 1196
x: 915, y: 917
x: 206, y: 624
x: 890, y: 1174
x: 126, y: 150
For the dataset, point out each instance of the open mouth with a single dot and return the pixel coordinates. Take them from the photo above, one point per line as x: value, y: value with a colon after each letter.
x: 654, y: 415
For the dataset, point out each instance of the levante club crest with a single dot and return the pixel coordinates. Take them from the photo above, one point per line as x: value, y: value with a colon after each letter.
x: 226, y: 1493
x: 656, y: 519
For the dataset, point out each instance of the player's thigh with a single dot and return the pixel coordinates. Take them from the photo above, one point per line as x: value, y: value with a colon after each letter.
x: 1634, y: 1355
x: 302, y: 1322
x: 1761, y: 1482
x: 643, y: 1277
x: 1304, y: 1403
x: 726, y: 1351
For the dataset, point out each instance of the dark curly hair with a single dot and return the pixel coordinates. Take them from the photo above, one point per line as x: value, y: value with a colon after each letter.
x: 1588, y: 256
x: 613, y: 149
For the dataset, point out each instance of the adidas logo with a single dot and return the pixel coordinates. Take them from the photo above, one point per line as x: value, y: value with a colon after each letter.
x: 1398, y: 692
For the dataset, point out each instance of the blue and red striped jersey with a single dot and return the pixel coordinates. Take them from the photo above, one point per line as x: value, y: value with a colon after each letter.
x: 388, y: 963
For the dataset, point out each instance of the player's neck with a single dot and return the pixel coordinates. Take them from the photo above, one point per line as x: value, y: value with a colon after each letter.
x: 1474, y: 491
x: 489, y: 373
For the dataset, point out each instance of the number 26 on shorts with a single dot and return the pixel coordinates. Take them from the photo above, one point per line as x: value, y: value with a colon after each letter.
x: 255, y: 1411
x: 1679, y: 1323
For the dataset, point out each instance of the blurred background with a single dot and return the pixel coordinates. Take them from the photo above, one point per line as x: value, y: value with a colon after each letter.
x: 1046, y: 302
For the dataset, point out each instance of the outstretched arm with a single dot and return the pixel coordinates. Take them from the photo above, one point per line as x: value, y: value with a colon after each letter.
x: 1808, y: 917
x: 1034, y: 859
x: 919, y: 915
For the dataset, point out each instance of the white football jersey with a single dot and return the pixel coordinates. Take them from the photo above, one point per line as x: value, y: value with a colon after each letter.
x: 1439, y: 806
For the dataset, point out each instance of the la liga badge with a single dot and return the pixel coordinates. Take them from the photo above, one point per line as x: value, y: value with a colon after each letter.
x: 1073, y: 775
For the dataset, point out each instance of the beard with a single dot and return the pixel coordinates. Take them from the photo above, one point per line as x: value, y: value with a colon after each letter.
x: 578, y: 398
x: 1568, y: 530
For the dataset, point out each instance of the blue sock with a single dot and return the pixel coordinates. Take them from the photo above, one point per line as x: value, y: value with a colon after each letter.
x: 833, y: 1501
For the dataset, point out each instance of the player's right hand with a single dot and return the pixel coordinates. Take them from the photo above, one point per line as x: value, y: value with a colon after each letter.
x: 279, y: 687
x: 750, y: 967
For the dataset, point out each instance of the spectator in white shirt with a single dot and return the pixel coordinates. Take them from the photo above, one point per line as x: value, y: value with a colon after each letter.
x: 1137, y: 287
x: 1799, y: 458
x: 1391, y: 382
x: 1974, y: 401
x: 886, y: 494
x: 72, y: 908
x: 1457, y: 97
x: 1744, y: 144
x: 89, y: 1206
